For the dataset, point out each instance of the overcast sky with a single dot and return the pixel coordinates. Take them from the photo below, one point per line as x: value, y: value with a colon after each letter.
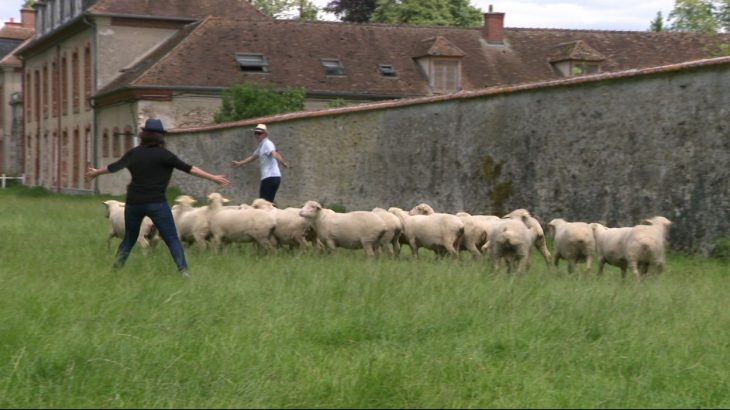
x: 586, y: 14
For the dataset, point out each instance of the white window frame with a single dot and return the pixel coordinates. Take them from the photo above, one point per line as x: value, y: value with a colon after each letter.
x: 332, y: 66
x: 387, y: 70
x: 252, y: 62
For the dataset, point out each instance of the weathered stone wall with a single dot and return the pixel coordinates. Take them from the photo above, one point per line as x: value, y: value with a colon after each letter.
x: 616, y: 151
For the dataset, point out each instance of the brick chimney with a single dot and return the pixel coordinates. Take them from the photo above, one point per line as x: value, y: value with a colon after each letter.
x: 27, y: 17
x: 494, y: 27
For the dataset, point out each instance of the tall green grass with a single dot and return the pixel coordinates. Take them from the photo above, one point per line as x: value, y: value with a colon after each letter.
x: 296, y: 330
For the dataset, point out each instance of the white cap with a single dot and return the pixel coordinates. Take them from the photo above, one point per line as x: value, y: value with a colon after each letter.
x: 260, y: 127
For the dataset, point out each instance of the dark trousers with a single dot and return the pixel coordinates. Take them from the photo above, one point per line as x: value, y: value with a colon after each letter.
x: 161, y: 216
x: 268, y: 188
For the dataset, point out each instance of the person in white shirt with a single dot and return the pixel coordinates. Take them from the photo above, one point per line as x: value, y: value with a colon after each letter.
x: 269, y: 159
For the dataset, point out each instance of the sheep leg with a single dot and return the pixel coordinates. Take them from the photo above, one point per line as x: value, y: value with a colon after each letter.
x: 542, y: 247
x: 452, y: 251
x: 571, y: 266
x: 634, y: 265
x: 369, y: 251
x: 414, y: 248
x: 522, y: 263
x: 589, y: 263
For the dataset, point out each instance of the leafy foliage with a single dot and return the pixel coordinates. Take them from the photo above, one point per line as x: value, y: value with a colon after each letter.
x: 353, y: 11
x: 694, y: 15
x: 305, y: 9
x: 337, y: 103
x: 250, y: 100
x: 427, y: 12
x: 657, y: 24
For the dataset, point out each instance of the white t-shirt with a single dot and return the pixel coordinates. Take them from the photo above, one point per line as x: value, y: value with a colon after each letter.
x: 269, y: 165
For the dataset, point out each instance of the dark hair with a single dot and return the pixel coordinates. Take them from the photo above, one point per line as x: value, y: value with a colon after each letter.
x: 152, y: 139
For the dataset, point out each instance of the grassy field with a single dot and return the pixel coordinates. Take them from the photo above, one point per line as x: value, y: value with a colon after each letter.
x: 340, y: 331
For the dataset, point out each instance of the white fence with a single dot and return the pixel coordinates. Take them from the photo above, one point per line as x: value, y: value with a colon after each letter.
x: 4, y: 179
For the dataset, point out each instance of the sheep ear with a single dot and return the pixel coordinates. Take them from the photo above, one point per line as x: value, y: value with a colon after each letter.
x: 646, y: 222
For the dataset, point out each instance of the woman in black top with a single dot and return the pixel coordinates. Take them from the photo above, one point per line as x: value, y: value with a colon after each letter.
x: 151, y: 167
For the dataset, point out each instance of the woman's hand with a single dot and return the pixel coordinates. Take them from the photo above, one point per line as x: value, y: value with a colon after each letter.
x: 92, y: 172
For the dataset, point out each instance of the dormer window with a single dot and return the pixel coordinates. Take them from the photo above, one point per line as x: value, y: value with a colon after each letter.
x: 386, y: 70
x: 333, y: 66
x: 584, y: 68
x: 253, y: 63
x: 446, y: 75
x: 576, y: 58
x: 440, y: 62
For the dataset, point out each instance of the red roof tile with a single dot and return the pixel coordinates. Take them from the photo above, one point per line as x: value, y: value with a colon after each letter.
x: 205, y: 56
x: 177, y: 8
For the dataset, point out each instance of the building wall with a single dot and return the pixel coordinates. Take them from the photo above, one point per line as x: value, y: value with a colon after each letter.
x: 614, y: 151
x: 10, y: 83
x: 122, y: 45
x: 58, y: 118
x: 62, y: 134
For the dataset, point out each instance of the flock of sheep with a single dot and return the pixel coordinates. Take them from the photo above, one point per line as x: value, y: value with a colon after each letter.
x: 508, y: 239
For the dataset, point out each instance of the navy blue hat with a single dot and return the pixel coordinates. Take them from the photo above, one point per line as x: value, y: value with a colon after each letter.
x: 154, y: 125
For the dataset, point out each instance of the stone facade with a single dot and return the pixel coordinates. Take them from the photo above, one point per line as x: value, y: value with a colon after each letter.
x: 612, y: 148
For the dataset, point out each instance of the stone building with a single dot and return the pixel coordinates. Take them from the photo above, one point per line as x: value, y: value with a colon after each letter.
x: 97, y: 69
x: 12, y: 36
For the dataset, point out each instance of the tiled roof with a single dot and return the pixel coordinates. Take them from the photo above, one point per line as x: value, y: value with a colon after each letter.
x: 575, y: 50
x: 15, y: 32
x: 464, y: 95
x: 177, y: 8
x: 293, y: 49
x: 440, y: 47
x: 11, y: 59
x: 6, y: 46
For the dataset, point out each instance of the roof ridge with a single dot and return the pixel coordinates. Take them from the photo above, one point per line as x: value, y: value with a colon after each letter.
x: 485, y: 92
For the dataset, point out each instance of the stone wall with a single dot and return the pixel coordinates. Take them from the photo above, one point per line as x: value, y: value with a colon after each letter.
x: 613, y: 148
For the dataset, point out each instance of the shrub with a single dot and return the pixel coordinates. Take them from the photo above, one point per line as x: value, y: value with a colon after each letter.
x: 250, y: 100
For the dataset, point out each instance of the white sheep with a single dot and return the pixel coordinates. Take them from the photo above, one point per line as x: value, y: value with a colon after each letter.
x: 476, y: 229
x: 422, y: 209
x: 645, y: 246
x: 350, y: 230
x: 291, y: 228
x: 191, y: 222
x: 574, y: 242
x: 611, y: 246
x: 510, y: 240
x: 536, y: 232
x: 240, y: 225
x: 391, y: 240
x: 115, y: 215
x: 438, y: 232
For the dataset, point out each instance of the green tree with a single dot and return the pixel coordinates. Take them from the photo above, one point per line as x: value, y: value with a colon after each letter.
x: 427, y: 12
x: 28, y: 3
x: 353, y: 11
x: 694, y: 15
x: 723, y: 14
x: 657, y: 24
x: 251, y: 100
x: 304, y: 9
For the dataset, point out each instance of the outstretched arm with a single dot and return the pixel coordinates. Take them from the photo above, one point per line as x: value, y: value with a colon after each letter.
x: 221, y: 180
x: 236, y: 164
x: 92, y: 172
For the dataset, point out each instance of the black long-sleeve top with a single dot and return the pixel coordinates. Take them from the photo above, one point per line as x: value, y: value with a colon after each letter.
x: 151, y: 168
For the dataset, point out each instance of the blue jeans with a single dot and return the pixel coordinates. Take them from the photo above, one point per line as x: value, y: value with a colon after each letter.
x: 161, y: 216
